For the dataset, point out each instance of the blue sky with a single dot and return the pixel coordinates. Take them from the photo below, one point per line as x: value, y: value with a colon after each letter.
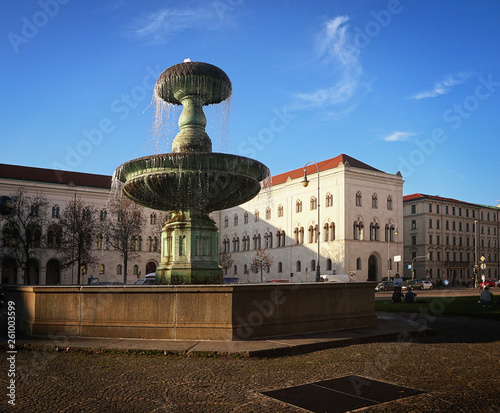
x: 401, y: 85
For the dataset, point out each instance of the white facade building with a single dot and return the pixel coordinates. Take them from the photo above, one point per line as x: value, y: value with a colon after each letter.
x: 360, y: 224
x: 60, y: 187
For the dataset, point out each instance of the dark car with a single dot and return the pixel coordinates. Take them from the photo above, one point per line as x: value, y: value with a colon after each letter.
x: 414, y: 284
x: 385, y: 286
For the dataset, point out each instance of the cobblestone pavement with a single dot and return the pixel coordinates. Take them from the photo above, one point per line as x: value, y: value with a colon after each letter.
x: 458, y: 368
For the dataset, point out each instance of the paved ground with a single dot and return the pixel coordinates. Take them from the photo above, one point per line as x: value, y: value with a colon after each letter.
x: 458, y: 368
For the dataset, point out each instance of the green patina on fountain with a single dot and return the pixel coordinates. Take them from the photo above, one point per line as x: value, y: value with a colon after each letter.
x: 192, y: 181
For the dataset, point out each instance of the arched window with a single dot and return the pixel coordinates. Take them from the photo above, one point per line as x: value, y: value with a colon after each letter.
x: 280, y: 210
x: 298, y: 206
x: 152, y: 219
x: 235, y: 220
x: 226, y: 222
x: 235, y: 270
x: 311, y: 234
x: 55, y: 211
x: 136, y: 270
x: 119, y: 269
x: 389, y: 203
x: 102, y: 268
x: 256, y: 214
x: 328, y: 264
x: 280, y: 267
x: 245, y: 269
x: 374, y: 229
x: 329, y: 200
x: 358, y: 198
x: 103, y: 215
x: 268, y: 213
x: 313, y: 265
x: 358, y: 230
x: 245, y: 218
x: 297, y: 266
x: 358, y: 264
x: 374, y: 201
x: 314, y: 203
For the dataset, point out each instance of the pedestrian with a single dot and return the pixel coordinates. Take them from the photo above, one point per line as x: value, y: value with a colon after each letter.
x: 398, y: 285
x: 486, y: 296
x: 410, y: 296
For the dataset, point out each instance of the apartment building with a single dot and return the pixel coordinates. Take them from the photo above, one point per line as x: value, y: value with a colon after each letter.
x: 445, y: 238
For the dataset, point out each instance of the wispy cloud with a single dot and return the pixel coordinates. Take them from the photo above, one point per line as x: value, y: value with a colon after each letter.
x: 399, y: 136
x: 161, y: 25
x: 335, y: 47
x: 444, y: 86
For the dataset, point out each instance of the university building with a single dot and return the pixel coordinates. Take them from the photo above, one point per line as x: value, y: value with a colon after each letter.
x: 445, y: 238
x: 59, y: 188
x: 359, y: 227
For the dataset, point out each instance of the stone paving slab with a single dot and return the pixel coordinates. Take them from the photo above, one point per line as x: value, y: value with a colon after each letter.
x: 389, y: 327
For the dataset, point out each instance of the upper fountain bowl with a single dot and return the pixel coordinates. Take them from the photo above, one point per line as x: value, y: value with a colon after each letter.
x: 203, y: 80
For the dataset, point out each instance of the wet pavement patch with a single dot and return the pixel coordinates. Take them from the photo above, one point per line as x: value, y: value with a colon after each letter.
x: 341, y: 394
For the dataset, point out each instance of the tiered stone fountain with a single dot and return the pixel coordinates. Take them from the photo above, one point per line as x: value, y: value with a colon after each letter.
x: 192, y: 181
x: 189, y: 183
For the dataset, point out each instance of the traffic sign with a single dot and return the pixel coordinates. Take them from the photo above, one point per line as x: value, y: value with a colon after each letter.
x: 482, y: 258
x: 483, y: 266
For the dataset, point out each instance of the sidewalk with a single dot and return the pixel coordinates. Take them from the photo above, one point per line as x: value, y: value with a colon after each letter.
x: 390, y: 327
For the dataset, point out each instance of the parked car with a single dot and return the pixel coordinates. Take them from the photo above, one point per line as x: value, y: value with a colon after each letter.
x: 150, y: 279
x: 385, y: 286
x: 427, y: 285
x: 488, y: 283
x: 414, y: 284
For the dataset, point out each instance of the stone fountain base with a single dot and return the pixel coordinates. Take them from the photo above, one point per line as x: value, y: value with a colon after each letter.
x: 222, y: 312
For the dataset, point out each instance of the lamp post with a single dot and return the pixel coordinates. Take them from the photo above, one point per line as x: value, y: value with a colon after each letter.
x: 389, y: 236
x: 305, y: 183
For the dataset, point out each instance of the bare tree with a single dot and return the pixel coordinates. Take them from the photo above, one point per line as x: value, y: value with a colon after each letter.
x: 225, y: 259
x: 260, y: 262
x: 78, y: 223
x: 22, y: 233
x: 123, y: 229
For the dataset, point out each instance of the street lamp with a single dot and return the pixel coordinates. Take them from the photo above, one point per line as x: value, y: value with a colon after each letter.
x: 389, y: 235
x: 305, y: 183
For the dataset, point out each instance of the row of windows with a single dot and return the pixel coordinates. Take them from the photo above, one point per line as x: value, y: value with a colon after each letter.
x: 359, y: 200
x: 469, y: 227
x: 456, y: 241
x: 358, y: 231
x: 54, y: 236
x: 102, y: 269
x: 457, y: 257
x: 103, y: 214
x: 298, y: 267
x: 457, y: 211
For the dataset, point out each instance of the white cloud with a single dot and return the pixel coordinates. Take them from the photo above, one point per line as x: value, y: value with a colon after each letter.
x: 443, y: 87
x: 399, y: 136
x: 335, y: 47
x: 159, y: 26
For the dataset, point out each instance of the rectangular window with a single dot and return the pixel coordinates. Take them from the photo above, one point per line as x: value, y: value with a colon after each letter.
x: 413, y: 240
x: 430, y: 223
x: 430, y: 239
x: 413, y: 224
x: 413, y: 209
x: 430, y: 207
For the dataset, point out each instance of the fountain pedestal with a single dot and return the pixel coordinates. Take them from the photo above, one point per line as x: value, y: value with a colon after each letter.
x: 189, y: 250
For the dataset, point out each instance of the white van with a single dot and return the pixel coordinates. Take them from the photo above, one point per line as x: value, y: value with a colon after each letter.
x: 150, y: 279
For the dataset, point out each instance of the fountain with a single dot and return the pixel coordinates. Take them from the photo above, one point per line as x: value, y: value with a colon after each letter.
x: 192, y: 181
x: 189, y: 183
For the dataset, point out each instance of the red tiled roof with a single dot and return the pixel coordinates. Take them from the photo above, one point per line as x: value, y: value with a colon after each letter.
x: 323, y: 166
x: 27, y: 173
x: 413, y: 197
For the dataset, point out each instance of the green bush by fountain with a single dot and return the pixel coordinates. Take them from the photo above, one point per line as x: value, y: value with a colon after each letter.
x: 192, y: 181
